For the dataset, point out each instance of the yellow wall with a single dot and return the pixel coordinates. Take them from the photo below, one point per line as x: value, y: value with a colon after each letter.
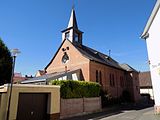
x: 3, y: 106
x: 53, y: 98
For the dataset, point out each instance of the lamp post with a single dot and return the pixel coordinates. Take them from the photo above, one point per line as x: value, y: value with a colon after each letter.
x: 14, y: 53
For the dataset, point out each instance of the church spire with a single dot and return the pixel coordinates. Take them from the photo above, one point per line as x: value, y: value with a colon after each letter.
x: 72, y: 33
x: 72, y: 20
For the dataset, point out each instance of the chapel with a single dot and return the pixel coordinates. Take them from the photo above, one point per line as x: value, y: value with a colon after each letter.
x: 76, y: 61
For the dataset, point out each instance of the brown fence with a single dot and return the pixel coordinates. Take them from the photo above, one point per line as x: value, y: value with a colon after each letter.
x: 79, y: 106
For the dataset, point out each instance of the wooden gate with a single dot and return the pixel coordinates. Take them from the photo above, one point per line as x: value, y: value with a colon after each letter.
x: 32, y: 106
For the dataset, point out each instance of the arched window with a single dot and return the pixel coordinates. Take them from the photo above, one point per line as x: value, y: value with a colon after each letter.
x: 121, y: 81
x: 111, y: 78
x: 67, y: 35
x: 96, y: 75
x: 100, y: 77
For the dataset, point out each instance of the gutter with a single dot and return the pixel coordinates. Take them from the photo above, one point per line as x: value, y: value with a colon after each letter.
x: 145, y: 33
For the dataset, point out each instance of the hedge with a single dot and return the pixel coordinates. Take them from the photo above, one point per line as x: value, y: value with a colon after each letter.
x: 77, y: 89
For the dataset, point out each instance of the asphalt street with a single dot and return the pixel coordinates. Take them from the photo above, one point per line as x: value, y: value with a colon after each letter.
x: 146, y: 113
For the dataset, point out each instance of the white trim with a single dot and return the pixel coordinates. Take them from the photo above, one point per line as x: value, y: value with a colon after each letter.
x: 150, y: 20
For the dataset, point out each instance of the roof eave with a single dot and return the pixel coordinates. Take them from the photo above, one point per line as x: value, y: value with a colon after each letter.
x: 145, y: 33
x: 54, y: 55
x: 71, y: 28
x: 32, y: 81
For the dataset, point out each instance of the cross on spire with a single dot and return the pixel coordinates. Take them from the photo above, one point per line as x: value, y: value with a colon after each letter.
x: 73, y: 5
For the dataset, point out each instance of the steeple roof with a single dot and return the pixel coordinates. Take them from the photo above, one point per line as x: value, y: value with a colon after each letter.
x: 72, y: 20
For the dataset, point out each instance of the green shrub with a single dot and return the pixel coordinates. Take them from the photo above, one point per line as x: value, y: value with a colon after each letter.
x: 77, y: 89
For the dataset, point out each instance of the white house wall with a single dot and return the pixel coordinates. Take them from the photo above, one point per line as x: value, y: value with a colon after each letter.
x: 153, y: 46
x: 147, y: 91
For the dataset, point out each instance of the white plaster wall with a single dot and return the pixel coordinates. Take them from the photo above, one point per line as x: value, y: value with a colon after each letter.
x: 70, y: 35
x: 153, y: 46
x: 63, y: 36
x: 148, y: 91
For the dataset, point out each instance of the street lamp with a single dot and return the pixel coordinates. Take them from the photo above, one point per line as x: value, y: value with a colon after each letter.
x: 14, y: 53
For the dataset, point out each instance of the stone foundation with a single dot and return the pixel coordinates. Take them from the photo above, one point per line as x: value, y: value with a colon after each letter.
x: 157, y: 109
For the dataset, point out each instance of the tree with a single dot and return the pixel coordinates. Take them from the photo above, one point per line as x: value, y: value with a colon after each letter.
x: 5, y: 64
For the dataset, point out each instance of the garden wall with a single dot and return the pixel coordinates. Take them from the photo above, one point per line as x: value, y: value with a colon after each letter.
x: 79, y: 106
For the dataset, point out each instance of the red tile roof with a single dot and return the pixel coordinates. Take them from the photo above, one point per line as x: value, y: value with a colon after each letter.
x: 18, y: 77
x: 145, y: 79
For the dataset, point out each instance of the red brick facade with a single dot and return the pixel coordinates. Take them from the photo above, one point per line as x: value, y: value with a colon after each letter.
x: 76, y: 61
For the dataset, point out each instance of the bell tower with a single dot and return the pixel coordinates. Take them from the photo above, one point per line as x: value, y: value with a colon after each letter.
x: 72, y: 33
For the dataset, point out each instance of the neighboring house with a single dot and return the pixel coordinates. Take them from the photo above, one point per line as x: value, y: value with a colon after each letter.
x: 146, y: 83
x: 18, y: 78
x: 81, y: 62
x: 46, y: 78
x: 40, y: 73
x: 151, y: 34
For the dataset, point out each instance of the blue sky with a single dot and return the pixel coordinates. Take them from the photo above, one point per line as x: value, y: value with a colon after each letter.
x: 34, y: 27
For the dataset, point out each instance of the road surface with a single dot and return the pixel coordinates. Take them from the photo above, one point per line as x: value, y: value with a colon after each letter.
x: 121, y: 114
